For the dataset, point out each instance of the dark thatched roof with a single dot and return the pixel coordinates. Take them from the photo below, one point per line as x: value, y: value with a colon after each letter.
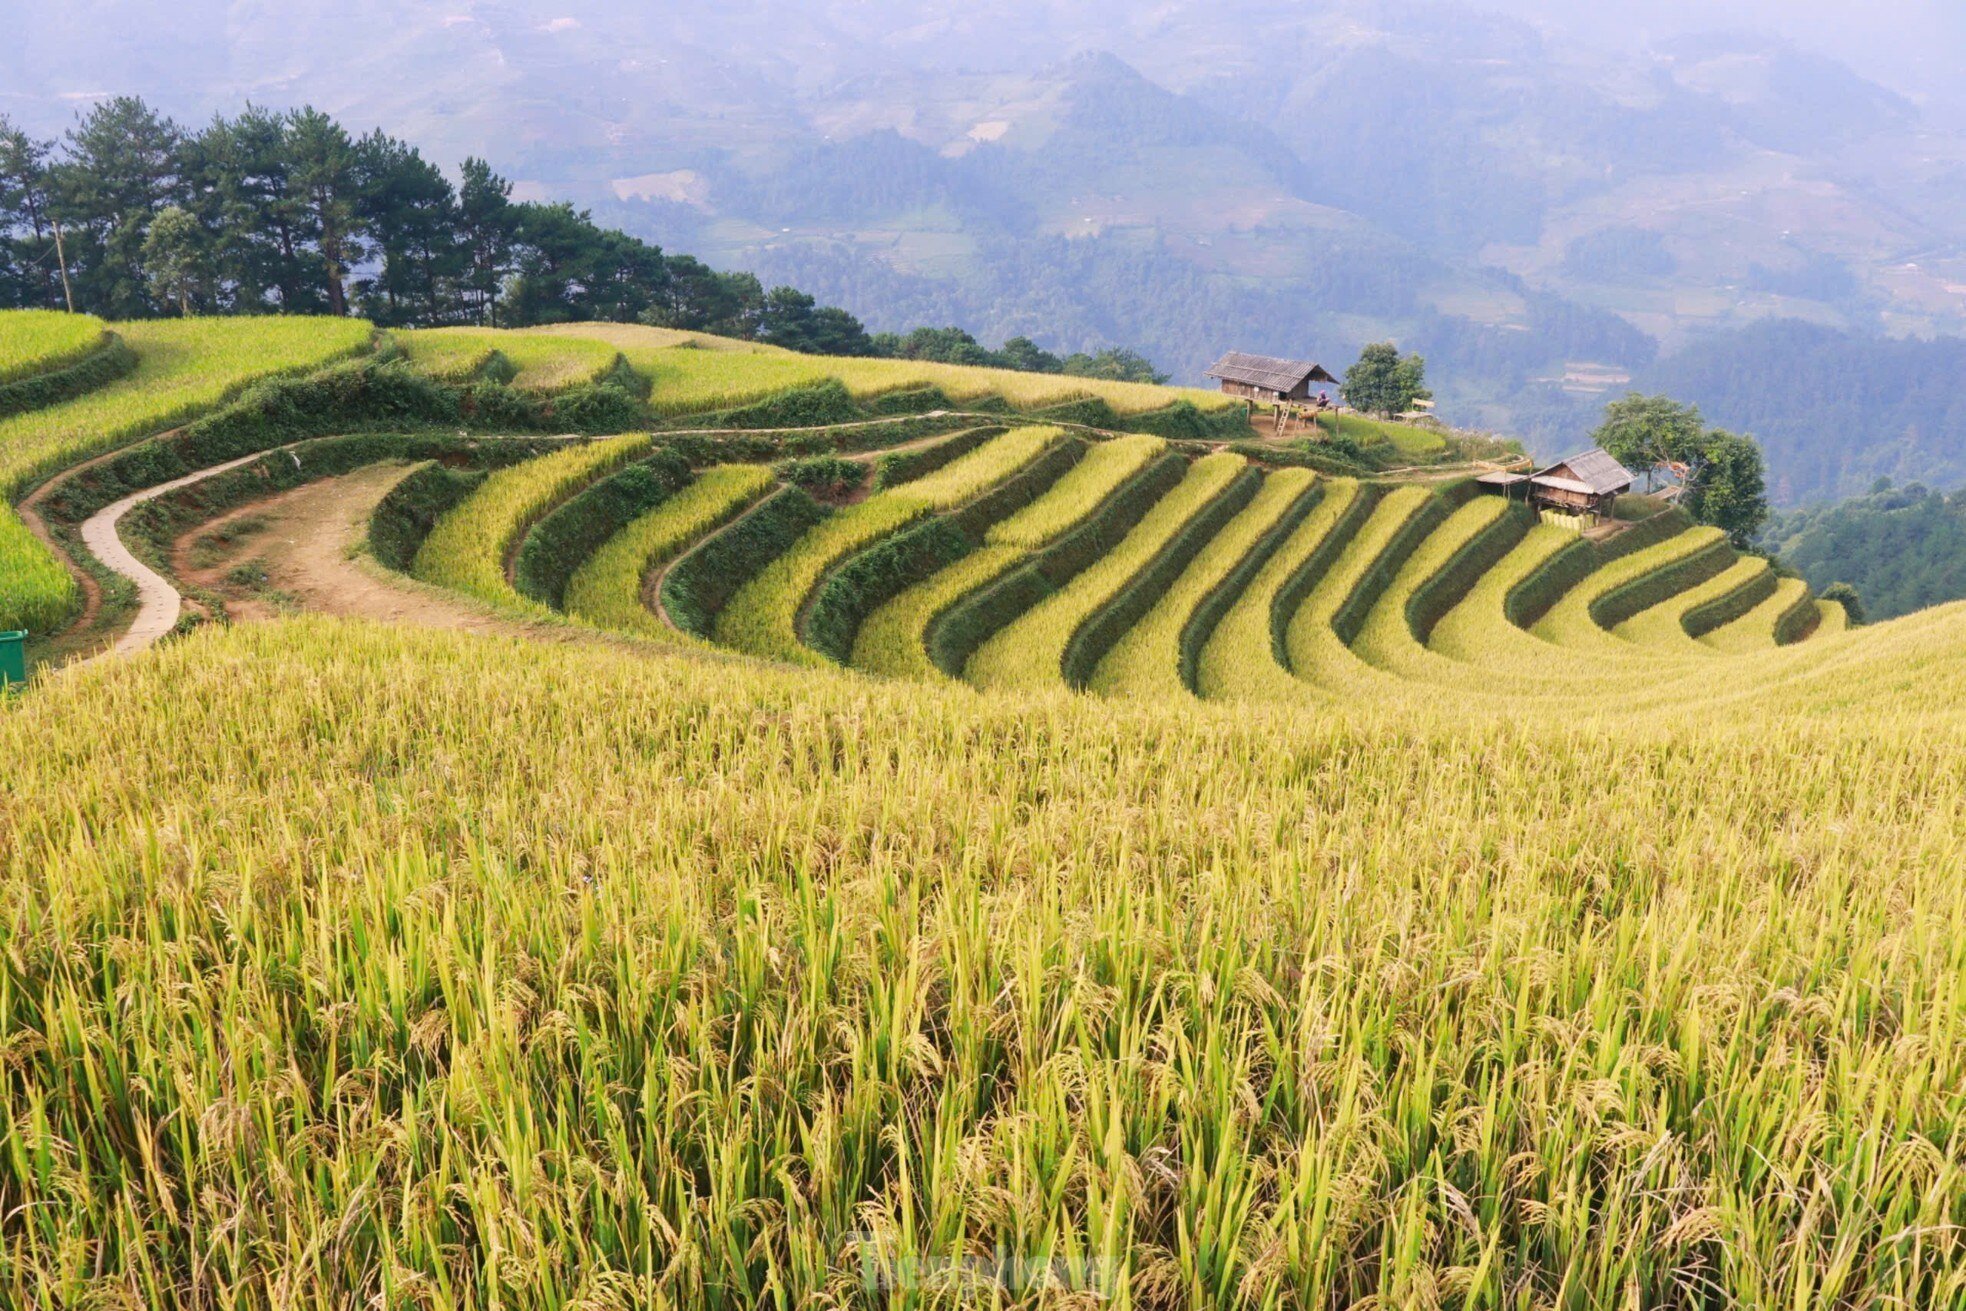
x: 1594, y: 471
x: 1267, y: 372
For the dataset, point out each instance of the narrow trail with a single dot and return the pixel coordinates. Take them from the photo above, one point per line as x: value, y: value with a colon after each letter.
x: 158, y: 601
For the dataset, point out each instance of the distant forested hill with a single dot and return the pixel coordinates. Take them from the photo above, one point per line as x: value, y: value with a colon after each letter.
x: 1834, y: 411
x: 1902, y: 548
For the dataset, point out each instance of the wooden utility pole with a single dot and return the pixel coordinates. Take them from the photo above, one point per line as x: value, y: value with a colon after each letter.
x: 61, y: 262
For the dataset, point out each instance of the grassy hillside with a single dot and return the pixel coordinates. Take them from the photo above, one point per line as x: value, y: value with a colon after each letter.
x: 1422, y: 903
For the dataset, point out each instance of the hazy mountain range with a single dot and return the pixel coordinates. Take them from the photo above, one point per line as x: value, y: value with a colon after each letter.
x: 1546, y: 211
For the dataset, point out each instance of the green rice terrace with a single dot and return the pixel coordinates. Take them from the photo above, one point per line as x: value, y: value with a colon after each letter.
x: 603, y: 816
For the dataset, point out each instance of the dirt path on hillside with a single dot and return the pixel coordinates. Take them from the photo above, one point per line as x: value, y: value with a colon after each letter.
x: 308, y: 542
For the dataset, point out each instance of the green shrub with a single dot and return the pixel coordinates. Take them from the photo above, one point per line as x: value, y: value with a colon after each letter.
x: 829, y: 473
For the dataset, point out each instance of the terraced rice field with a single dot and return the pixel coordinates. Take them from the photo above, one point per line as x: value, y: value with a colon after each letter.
x: 1097, y: 870
x: 34, y: 342
x: 536, y: 362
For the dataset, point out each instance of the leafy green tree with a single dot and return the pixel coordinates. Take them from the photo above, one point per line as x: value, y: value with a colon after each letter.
x: 1113, y: 365
x: 175, y: 258
x: 1646, y: 433
x: 326, y: 176
x: 121, y: 168
x: 409, y: 209
x: 1727, y: 487
x: 1026, y: 356
x: 1846, y: 596
x: 1384, y: 381
x: 793, y: 319
x: 29, y: 275
x: 1724, y: 474
x: 486, y: 226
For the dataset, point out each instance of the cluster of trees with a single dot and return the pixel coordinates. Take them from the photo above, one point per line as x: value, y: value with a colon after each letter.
x: 1722, y: 472
x: 1384, y: 381
x: 131, y: 215
x: 1901, y: 546
x: 954, y: 346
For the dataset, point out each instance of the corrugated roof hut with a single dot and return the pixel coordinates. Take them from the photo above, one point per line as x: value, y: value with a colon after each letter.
x: 1267, y: 378
x: 1583, y: 484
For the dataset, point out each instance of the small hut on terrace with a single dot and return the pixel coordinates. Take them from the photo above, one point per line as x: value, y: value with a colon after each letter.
x: 1267, y: 378
x: 1582, y: 484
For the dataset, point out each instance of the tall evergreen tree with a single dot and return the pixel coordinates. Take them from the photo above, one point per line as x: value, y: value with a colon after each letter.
x: 327, y: 177
x: 121, y: 169
x: 29, y: 272
x: 410, y: 211
x: 486, y: 226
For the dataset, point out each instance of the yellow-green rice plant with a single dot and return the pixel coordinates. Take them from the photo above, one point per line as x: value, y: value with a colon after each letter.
x: 1146, y: 662
x: 608, y: 589
x: 1755, y: 630
x: 1663, y: 626
x: 1316, y: 651
x: 1239, y: 661
x: 469, y: 548
x: 1386, y: 638
x: 893, y: 640
x: 1570, y: 622
x: 762, y: 617
x: 1029, y: 652
x: 349, y: 965
x: 34, y: 342
x: 688, y: 379
x: 540, y: 363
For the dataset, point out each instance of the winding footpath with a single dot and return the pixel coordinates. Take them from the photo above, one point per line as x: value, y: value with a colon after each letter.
x: 159, y: 603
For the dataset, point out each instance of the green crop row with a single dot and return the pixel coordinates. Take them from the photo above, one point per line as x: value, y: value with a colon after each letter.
x: 699, y: 586
x: 1319, y: 652
x: 881, y: 575
x: 608, y: 590
x: 1240, y: 659
x: 1030, y: 652
x: 468, y: 549
x: 1755, y: 630
x: 1461, y: 572
x: 568, y: 536
x: 1385, y: 638
x: 899, y: 467
x: 1151, y: 656
x: 1699, y: 609
x: 1106, y: 626
x: 1804, y: 616
x: 957, y: 631
x: 763, y: 616
x: 1427, y: 516
x: 1614, y: 605
x: 1316, y: 566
